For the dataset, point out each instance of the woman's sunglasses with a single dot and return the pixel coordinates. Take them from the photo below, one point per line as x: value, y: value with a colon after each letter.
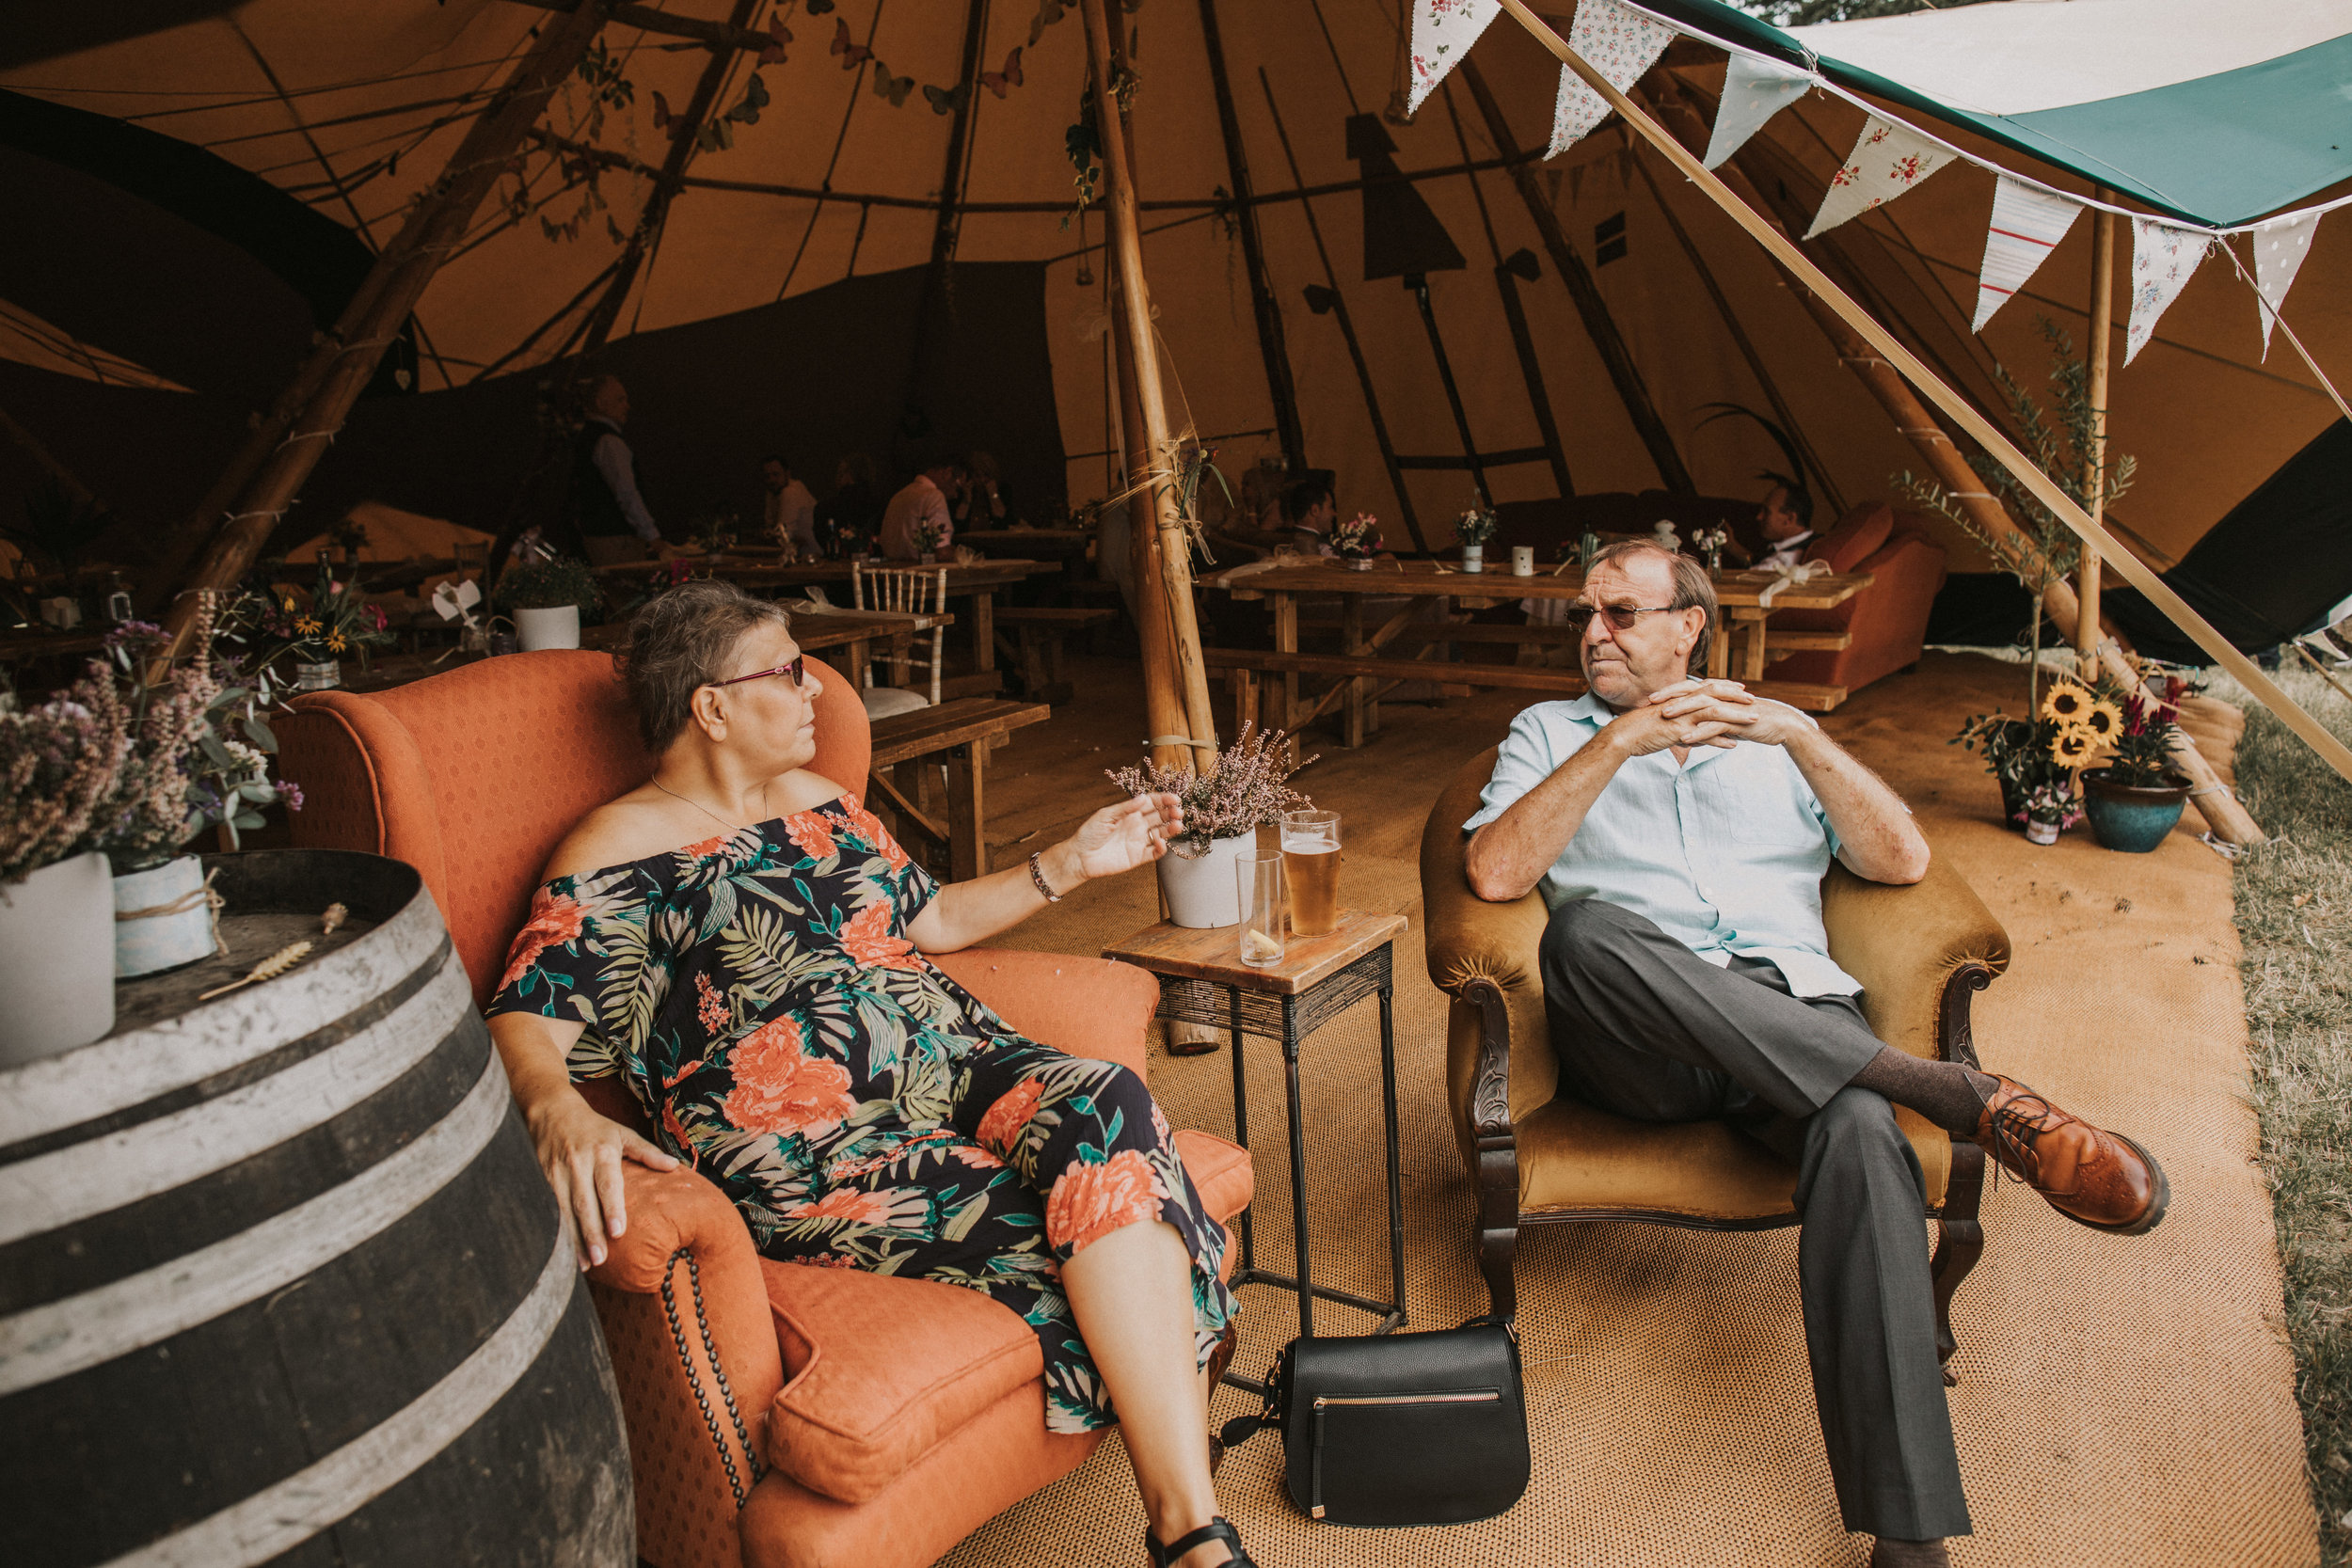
x: 792, y: 669
x: 1621, y: 617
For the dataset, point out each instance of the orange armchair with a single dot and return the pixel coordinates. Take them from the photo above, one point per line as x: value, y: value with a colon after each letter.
x: 779, y: 1416
x: 1880, y: 630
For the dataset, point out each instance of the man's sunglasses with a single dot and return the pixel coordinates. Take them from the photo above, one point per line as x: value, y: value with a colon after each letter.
x: 1621, y: 617
x: 792, y: 669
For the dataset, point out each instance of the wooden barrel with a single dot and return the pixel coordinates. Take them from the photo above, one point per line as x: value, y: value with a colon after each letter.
x: 279, y: 1277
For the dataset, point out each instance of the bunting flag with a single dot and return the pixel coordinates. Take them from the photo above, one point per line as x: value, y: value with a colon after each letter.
x: 1443, y: 31
x: 2279, y: 251
x: 1754, y: 89
x: 1886, y: 160
x: 2164, y: 258
x: 2027, y: 223
x: 1617, y: 42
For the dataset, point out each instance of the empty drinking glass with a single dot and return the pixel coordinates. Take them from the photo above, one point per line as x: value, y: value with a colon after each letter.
x: 1261, y: 909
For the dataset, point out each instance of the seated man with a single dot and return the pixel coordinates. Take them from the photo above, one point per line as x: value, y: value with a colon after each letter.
x: 1679, y: 829
x: 1785, y: 520
x: 918, y: 518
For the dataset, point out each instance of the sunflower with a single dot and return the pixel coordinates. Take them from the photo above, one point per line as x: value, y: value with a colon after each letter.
x: 2104, y: 719
x: 2066, y: 704
x: 2074, y: 746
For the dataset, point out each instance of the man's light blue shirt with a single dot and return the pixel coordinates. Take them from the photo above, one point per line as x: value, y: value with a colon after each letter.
x: 1725, y: 852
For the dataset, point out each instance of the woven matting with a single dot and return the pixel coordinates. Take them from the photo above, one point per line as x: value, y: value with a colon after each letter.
x: 2120, y: 1400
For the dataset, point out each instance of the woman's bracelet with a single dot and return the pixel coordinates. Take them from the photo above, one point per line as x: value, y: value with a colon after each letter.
x: 1036, y: 875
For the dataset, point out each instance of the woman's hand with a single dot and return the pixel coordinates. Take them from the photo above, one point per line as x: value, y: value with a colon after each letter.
x: 582, y: 1152
x: 1122, y: 837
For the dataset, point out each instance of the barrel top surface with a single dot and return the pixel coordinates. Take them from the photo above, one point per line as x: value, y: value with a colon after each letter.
x: 166, y: 1039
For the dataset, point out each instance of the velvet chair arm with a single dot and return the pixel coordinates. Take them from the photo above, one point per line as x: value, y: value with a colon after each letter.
x: 1906, y: 945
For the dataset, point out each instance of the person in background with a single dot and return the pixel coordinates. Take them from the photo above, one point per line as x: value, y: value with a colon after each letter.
x: 922, y: 505
x: 849, y: 519
x: 788, y: 510
x: 1311, y: 514
x: 980, y: 504
x: 1785, y: 520
x: 607, y: 512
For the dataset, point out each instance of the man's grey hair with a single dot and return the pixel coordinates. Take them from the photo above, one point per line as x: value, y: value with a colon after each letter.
x: 1692, y: 587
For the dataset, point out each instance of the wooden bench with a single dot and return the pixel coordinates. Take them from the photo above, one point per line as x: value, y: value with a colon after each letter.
x: 964, y: 730
x: 1041, y: 629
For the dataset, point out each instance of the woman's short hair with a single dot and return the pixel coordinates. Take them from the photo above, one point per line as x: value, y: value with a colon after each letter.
x: 1692, y: 587
x: 681, y: 642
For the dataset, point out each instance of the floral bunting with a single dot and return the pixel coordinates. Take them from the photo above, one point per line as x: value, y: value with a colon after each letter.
x: 2279, y: 247
x: 1754, y: 89
x: 1443, y: 30
x: 1617, y: 42
x: 1887, y: 160
x: 2027, y: 223
x: 2164, y: 258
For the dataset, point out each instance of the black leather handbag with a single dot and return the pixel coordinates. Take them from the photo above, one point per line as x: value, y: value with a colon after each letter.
x: 1402, y: 1429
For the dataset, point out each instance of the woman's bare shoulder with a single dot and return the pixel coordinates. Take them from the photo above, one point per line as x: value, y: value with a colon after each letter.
x: 633, y: 828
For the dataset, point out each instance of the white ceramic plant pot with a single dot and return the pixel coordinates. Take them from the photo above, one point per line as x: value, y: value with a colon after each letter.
x: 179, y: 933
x: 1203, y: 892
x: 548, y: 628
x: 58, y: 959
x: 1474, y: 558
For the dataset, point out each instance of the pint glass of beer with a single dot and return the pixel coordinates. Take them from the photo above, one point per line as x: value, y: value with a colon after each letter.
x: 1311, y: 864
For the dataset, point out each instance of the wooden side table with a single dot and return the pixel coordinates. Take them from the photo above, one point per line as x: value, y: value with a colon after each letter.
x: 1202, y: 980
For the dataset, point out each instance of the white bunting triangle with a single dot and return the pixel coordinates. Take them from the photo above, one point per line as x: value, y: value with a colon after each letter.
x: 1886, y: 160
x: 2027, y: 223
x: 2164, y: 258
x: 2279, y: 247
x: 1443, y: 31
x: 1754, y: 89
x: 1620, y: 43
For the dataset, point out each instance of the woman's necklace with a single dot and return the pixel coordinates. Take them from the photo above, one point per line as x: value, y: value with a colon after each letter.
x: 705, y: 810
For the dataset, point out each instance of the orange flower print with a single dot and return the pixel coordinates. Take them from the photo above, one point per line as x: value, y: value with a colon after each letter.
x: 1002, y: 1124
x: 711, y: 1007
x: 867, y: 938
x: 978, y: 1159
x: 1091, y: 1201
x: 554, y: 920
x: 869, y: 826
x: 809, y: 834
x: 780, y: 1090
x: 845, y: 1203
x: 702, y: 847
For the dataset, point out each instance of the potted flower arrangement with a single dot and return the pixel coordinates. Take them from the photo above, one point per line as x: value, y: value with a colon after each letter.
x: 1711, y: 541
x: 2135, y: 798
x: 2035, y: 760
x: 926, y: 538
x: 547, y: 599
x: 1476, y: 527
x: 336, y: 622
x: 1357, y: 541
x: 1223, y: 811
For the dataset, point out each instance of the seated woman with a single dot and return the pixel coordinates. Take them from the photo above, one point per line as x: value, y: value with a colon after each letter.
x: 742, y: 945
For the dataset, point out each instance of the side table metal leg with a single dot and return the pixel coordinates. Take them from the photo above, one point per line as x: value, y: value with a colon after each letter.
x: 1298, y: 1163
x: 1396, y: 1179
x: 1241, y: 1128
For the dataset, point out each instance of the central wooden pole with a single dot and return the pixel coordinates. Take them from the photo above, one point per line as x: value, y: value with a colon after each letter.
x: 2087, y: 629
x: 1175, y: 679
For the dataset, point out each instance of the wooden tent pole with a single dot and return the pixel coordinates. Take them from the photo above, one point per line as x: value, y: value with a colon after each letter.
x: 332, y: 380
x: 683, y: 129
x: 2223, y: 812
x: 1280, y: 386
x: 2087, y: 630
x: 1182, y: 685
x: 935, y: 303
x: 1598, y: 324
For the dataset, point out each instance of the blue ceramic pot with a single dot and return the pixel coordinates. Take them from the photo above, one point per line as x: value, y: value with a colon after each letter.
x: 2133, y: 818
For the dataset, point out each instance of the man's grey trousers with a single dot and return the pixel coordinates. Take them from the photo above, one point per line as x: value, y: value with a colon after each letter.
x: 1646, y: 1028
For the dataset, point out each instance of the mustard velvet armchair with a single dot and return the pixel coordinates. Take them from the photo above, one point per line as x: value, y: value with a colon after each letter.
x: 1538, y: 1156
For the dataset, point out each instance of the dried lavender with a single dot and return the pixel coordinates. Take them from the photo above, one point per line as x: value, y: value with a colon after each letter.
x: 58, y: 762
x: 1246, y: 791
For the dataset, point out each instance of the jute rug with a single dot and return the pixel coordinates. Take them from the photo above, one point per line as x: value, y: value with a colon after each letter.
x: 2121, y: 1402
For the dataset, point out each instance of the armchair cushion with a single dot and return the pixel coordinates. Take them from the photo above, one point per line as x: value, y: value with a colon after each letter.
x: 1858, y: 536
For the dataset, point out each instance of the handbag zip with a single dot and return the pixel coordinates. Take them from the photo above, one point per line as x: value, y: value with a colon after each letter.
x: 1314, y: 1494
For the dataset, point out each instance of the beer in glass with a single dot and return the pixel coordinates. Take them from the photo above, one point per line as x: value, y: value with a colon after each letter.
x: 1311, y: 864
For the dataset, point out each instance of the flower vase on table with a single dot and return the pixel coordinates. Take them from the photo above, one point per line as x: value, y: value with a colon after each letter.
x: 1357, y: 541
x: 1222, y: 814
x: 1474, y: 529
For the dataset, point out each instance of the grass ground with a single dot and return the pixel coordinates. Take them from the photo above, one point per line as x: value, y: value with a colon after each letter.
x: 2295, y: 920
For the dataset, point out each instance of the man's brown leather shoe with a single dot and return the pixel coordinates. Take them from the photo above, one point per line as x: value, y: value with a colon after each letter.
x: 2100, y: 1178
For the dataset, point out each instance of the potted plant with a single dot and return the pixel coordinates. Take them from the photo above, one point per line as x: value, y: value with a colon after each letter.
x: 2035, y: 761
x: 336, y: 622
x: 1223, y: 811
x: 2134, y: 801
x: 927, y: 536
x: 1356, y: 542
x: 1476, y: 527
x: 547, y: 599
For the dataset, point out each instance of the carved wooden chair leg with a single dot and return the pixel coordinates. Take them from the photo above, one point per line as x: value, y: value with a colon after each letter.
x: 1960, y: 1242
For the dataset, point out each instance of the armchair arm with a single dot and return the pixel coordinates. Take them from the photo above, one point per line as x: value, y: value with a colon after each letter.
x: 1907, y: 945
x: 1087, y: 1006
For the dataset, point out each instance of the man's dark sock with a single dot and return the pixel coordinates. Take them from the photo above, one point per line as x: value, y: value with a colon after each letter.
x: 1909, y: 1554
x: 1946, y: 1093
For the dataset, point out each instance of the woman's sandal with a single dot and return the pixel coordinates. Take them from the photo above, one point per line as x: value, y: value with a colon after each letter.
x: 1219, y: 1529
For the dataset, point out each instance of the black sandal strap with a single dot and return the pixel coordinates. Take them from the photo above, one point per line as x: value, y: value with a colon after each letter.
x: 1219, y: 1529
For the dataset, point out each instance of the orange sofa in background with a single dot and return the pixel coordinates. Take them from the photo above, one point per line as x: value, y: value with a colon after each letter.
x: 779, y: 1416
x: 1887, y: 620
